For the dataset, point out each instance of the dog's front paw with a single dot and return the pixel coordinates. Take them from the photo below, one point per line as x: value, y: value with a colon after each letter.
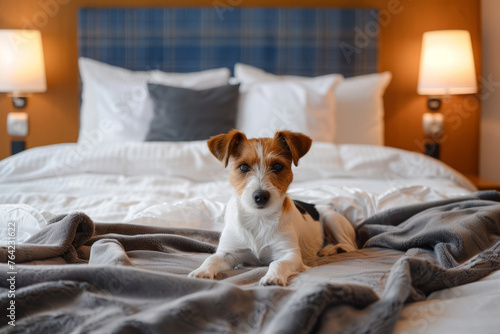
x: 273, y: 279
x: 202, y: 273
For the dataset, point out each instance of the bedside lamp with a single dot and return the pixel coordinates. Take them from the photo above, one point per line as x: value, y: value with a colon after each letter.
x: 446, y: 68
x: 22, y: 72
x: 21, y: 64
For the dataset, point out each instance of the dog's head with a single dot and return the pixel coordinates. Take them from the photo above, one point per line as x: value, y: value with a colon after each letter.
x: 261, y: 168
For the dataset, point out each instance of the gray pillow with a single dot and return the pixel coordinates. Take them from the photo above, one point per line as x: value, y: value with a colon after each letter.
x: 183, y: 114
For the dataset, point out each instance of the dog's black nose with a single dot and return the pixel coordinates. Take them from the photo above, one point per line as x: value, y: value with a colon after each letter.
x: 261, y: 197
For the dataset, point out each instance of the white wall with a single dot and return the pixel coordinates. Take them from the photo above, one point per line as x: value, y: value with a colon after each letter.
x: 489, y: 162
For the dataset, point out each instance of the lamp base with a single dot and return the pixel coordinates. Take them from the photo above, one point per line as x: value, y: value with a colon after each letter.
x: 434, y: 103
x: 19, y: 102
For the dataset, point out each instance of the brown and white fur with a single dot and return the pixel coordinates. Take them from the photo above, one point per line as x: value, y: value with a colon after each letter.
x: 262, y: 224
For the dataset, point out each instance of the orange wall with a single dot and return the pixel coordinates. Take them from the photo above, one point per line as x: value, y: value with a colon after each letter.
x: 53, y: 116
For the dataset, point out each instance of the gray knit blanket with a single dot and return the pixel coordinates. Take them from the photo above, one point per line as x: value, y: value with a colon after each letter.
x: 78, y: 276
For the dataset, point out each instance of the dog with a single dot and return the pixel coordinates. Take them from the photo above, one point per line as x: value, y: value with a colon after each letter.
x: 263, y: 226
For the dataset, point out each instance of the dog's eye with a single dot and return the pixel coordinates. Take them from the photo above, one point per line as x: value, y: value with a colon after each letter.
x: 277, y: 167
x: 244, y: 168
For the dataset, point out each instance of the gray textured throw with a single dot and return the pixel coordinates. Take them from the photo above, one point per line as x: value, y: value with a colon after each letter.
x: 79, y: 276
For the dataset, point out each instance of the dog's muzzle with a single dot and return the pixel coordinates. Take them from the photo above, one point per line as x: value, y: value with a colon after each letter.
x: 261, y: 197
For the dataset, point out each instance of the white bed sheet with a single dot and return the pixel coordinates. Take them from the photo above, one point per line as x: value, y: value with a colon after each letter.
x: 465, y: 309
x: 182, y: 185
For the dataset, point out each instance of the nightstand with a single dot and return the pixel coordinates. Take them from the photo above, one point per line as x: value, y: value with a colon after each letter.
x: 483, y: 184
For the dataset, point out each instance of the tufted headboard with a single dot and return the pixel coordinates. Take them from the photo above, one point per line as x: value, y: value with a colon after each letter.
x: 295, y: 41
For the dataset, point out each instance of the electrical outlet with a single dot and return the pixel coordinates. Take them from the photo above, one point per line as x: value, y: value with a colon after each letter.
x: 433, y: 123
x: 17, y: 124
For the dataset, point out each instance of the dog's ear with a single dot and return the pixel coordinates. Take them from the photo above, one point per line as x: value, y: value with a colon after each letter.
x: 296, y: 143
x: 224, y: 145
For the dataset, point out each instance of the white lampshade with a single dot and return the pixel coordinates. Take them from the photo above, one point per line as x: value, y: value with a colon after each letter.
x: 447, y: 64
x: 22, y: 68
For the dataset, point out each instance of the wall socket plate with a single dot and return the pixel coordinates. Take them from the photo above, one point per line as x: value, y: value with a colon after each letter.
x: 17, y: 124
x: 433, y: 123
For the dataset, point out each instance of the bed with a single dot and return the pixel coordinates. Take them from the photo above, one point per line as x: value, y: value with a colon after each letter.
x: 106, y: 230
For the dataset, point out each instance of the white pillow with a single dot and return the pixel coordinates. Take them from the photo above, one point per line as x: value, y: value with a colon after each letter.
x: 247, y: 74
x: 360, y: 109
x: 269, y: 102
x: 359, y: 112
x: 116, y: 105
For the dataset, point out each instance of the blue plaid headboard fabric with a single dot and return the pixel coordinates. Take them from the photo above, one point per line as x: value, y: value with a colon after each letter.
x: 293, y: 41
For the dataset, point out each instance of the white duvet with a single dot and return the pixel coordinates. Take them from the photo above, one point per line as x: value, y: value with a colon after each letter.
x: 182, y: 185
